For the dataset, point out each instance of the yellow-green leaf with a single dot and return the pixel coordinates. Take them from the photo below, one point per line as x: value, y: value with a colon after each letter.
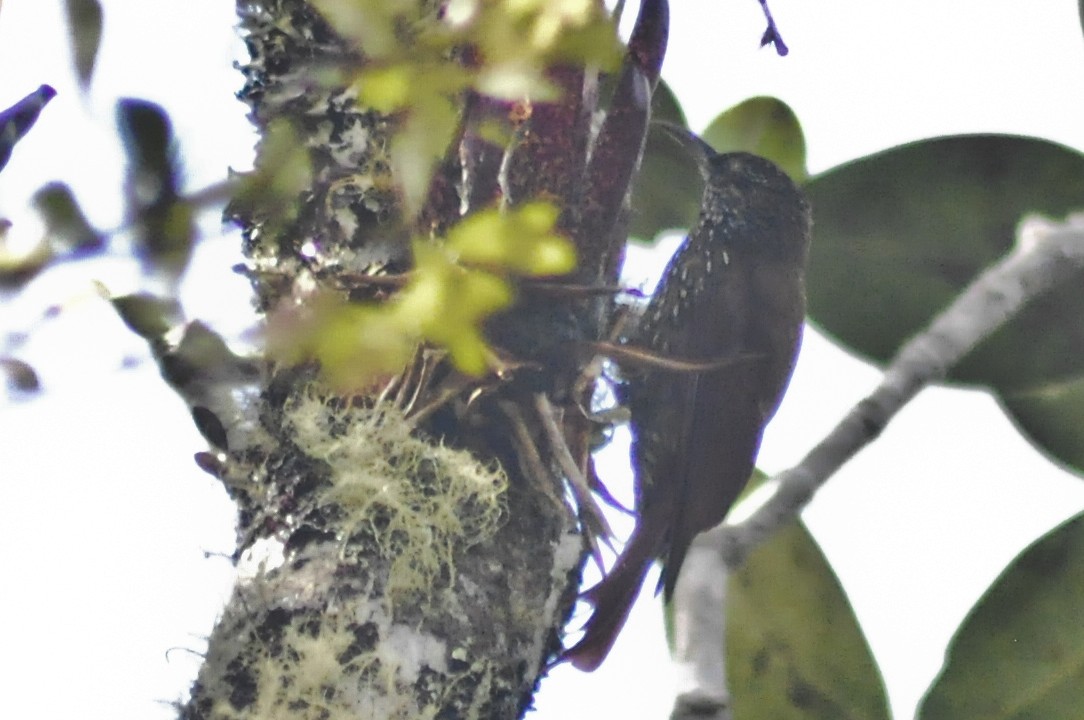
x: 764, y: 126
x: 353, y: 343
x: 65, y: 221
x: 418, y: 146
x: 371, y: 24
x: 521, y: 241
x: 448, y: 304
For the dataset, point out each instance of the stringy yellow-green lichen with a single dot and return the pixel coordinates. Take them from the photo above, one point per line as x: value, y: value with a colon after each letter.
x: 420, y: 499
x: 305, y: 680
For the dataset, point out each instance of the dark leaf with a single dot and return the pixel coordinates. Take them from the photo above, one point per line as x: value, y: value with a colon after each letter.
x: 270, y: 192
x: 148, y: 316
x: 64, y: 219
x: 202, y: 356
x: 17, y: 120
x: 1017, y: 654
x: 666, y: 192
x: 148, y: 141
x: 165, y: 230
x: 650, y: 35
x: 85, y: 27
x: 665, y: 106
x: 1051, y: 415
x: 210, y: 427
x: 794, y: 648
x: 21, y: 376
x: 907, y: 229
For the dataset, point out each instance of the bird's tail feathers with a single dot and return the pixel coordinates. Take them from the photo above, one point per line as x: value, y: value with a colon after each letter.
x: 612, y: 599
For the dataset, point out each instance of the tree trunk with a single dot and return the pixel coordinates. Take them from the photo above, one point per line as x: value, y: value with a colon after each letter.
x: 394, y: 564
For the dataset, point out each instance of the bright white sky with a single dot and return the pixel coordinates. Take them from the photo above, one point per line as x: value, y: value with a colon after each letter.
x: 104, y: 518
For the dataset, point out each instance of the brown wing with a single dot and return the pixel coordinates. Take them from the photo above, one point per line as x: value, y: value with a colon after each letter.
x: 764, y: 302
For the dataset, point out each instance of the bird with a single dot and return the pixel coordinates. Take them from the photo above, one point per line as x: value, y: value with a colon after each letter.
x: 732, y: 298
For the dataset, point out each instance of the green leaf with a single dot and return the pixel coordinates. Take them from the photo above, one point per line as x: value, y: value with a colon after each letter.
x: 85, y: 27
x: 418, y: 146
x: 521, y: 241
x: 65, y: 221
x: 271, y: 190
x: 899, y: 234
x: 353, y: 343
x: 148, y: 316
x: 371, y: 24
x: 666, y: 195
x: 164, y: 223
x: 763, y: 126
x: 665, y: 106
x: 666, y: 192
x: 18, y: 265
x: 1020, y: 652
x: 794, y: 649
x: 448, y: 304
x: 1051, y: 415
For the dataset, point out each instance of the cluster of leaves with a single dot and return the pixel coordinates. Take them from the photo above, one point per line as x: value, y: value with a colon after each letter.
x: 509, y: 43
x: 162, y: 217
x: 15, y: 122
x: 68, y: 232
x: 454, y: 285
x: 417, y: 72
x: 159, y: 216
x: 405, y: 73
x: 907, y: 229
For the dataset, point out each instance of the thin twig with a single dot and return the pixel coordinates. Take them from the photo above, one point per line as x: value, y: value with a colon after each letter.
x: 595, y: 524
x: 430, y: 360
x: 771, y: 36
x: 573, y: 291
x: 448, y: 391
x: 637, y: 356
x: 527, y: 452
x: 389, y: 387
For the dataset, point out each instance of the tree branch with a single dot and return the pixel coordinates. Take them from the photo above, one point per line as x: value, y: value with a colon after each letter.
x: 1045, y: 255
